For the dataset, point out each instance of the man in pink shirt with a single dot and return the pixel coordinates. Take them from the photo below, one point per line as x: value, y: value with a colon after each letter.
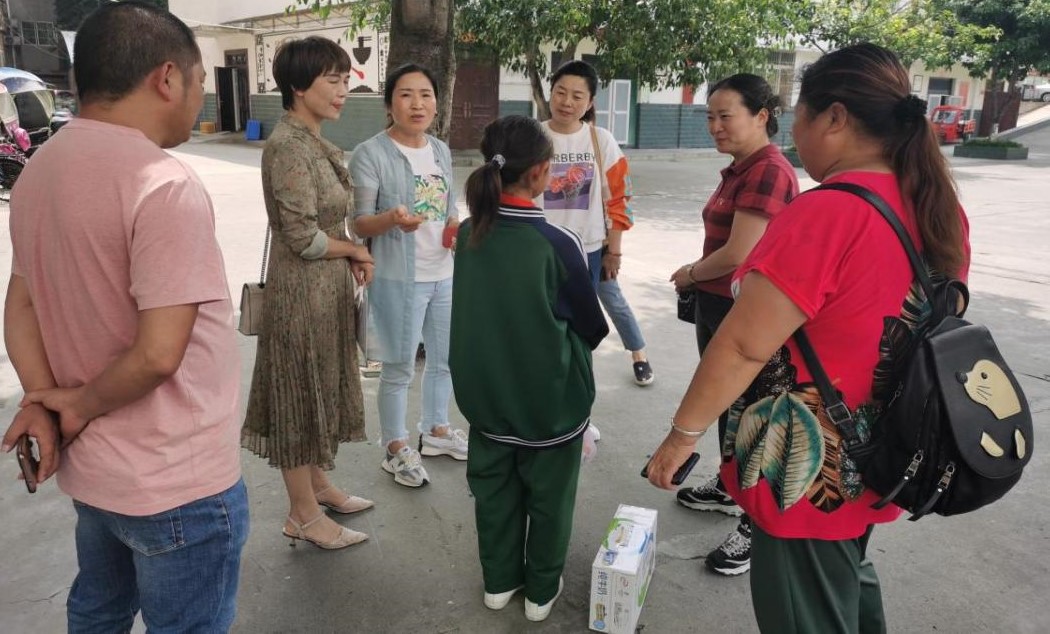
x: 119, y: 323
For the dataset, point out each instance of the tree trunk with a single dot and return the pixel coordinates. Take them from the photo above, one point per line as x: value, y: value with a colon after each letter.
x: 569, y: 52
x: 990, y: 107
x: 543, y: 109
x: 1001, y: 107
x: 422, y: 32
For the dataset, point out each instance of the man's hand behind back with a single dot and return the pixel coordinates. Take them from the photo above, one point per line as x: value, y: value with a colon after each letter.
x: 39, y: 423
x: 65, y: 403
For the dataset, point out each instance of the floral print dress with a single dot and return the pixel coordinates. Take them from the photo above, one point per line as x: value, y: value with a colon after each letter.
x: 306, y: 389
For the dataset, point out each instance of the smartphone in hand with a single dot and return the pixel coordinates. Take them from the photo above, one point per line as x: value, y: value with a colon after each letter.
x: 683, y: 471
x: 29, y: 463
x: 448, y: 237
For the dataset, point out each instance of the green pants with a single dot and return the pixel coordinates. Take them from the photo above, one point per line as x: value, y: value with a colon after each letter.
x: 523, y: 504
x: 809, y: 586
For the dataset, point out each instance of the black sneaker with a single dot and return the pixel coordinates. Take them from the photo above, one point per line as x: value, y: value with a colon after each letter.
x: 733, y: 557
x: 643, y: 373
x: 709, y: 497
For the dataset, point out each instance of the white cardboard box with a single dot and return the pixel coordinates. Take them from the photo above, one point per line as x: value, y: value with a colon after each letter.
x: 622, y: 570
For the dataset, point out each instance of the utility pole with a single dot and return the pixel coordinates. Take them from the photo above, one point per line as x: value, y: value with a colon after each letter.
x: 5, y: 30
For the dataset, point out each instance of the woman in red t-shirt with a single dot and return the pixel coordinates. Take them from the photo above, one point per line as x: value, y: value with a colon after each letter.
x: 756, y: 186
x: 832, y: 263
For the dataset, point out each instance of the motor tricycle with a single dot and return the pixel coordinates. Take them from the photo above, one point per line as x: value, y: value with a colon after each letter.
x: 951, y: 125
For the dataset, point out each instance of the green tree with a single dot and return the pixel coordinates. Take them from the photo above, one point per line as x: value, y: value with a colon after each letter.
x: 1022, y: 44
x: 659, y: 43
x: 516, y: 31
x: 919, y: 30
x: 1021, y: 41
x: 668, y: 43
x: 70, y: 13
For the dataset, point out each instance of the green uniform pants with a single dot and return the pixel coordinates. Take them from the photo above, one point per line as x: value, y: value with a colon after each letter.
x: 523, y: 504
x: 813, y: 586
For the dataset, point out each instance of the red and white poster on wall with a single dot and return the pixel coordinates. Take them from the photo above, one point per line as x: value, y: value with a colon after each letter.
x: 367, y: 49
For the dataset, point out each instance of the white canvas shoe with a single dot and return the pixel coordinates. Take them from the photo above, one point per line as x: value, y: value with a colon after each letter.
x: 500, y: 600
x: 535, y: 612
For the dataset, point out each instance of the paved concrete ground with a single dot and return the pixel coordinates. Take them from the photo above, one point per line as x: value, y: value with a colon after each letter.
x: 985, y: 572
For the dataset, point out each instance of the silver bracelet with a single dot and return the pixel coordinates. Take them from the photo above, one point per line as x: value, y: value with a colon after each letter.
x: 686, y: 432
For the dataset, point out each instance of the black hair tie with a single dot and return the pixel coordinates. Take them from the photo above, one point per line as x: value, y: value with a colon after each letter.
x: 910, y: 109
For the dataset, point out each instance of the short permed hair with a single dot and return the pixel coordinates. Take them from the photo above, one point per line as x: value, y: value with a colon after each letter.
x: 121, y: 43
x: 298, y: 63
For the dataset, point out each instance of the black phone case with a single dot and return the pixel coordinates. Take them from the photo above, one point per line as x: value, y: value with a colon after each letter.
x: 683, y: 471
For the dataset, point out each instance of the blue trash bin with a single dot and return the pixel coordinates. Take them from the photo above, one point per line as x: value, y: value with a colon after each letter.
x: 253, y: 131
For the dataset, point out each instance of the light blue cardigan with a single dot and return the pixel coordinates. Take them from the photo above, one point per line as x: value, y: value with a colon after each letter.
x: 382, y: 179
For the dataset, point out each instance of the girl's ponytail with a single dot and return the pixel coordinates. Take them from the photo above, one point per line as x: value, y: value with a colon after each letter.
x: 483, y: 189
x: 511, y: 146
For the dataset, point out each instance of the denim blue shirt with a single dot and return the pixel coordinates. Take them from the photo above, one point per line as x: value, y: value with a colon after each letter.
x: 383, y: 178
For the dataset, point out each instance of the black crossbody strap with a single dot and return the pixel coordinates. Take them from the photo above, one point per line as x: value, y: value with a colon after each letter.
x: 833, y: 404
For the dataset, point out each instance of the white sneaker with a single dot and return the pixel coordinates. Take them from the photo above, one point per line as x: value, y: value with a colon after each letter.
x: 500, y: 600
x: 595, y: 432
x: 406, y: 467
x: 455, y: 444
x: 535, y: 612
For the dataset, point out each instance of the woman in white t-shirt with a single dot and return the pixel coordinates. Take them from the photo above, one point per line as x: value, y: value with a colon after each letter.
x: 589, y: 192
x: 404, y: 202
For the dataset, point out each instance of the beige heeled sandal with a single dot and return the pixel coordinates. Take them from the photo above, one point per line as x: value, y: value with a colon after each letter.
x: 346, y: 536
x: 352, y: 503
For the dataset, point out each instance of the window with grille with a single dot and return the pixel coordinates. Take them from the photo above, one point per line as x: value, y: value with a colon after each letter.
x: 779, y: 71
x: 39, y: 33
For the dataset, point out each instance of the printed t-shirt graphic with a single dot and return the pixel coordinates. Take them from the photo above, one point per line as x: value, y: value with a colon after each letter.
x: 571, y: 181
x: 431, y: 197
x: 433, y: 261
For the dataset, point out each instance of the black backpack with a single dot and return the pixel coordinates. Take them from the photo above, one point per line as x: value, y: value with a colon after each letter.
x: 958, y: 430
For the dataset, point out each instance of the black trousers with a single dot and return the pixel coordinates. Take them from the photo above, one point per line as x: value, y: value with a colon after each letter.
x: 711, y: 309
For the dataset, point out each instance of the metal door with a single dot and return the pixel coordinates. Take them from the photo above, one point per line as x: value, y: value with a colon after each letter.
x: 612, y: 109
x: 226, y: 98
x: 475, y: 101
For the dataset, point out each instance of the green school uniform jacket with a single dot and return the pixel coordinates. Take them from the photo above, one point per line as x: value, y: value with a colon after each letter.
x: 525, y: 318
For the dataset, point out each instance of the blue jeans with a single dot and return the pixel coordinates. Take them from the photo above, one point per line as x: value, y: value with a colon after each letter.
x: 180, y: 567
x: 432, y: 321
x: 615, y: 304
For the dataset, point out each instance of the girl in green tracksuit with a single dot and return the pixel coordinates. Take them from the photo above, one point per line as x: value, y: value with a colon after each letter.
x: 525, y: 318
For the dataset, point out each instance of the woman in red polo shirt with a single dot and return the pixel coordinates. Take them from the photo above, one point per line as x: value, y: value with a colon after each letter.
x: 741, y: 116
